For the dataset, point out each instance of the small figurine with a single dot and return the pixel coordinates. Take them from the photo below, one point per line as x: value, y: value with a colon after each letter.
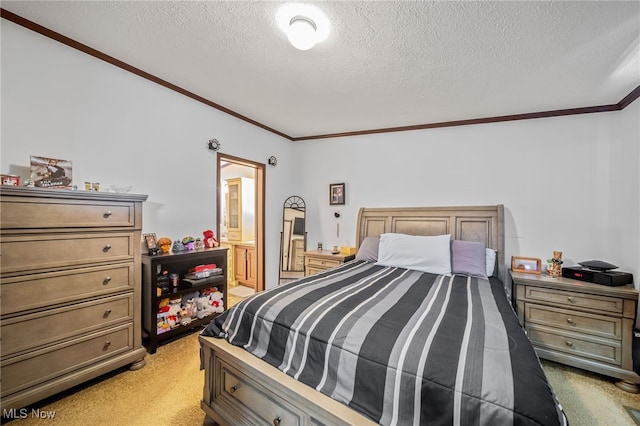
x: 178, y: 246
x: 199, y: 244
x: 188, y: 242
x: 554, y: 265
x: 210, y: 240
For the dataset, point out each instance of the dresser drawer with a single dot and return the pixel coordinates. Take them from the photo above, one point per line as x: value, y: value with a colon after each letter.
x: 576, y: 321
x: 27, y: 370
x: 247, y: 397
x: 30, y: 331
x: 595, y: 303
x: 28, y: 253
x: 38, y: 214
x: 321, y: 263
x: 40, y: 290
x: 580, y: 345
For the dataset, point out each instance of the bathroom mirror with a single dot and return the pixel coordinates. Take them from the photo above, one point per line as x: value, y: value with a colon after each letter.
x: 293, y: 240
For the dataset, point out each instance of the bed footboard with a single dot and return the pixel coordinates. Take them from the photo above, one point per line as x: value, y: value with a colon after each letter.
x: 240, y: 389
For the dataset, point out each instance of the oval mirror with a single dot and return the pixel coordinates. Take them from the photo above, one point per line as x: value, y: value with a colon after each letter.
x: 293, y: 240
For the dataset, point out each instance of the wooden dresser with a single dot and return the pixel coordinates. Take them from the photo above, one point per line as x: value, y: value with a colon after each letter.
x: 589, y: 326
x: 317, y: 261
x: 70, y: 286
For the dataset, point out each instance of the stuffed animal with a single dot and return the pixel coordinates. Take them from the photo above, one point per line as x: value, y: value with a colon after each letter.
x: 210, y: 240
x: 165, y: 244
x: 189, y: 242
x: 178, y: 246
x: 216, y: 302
x: 185, y: 317
x: 203, y: 307
x: 175, y: 306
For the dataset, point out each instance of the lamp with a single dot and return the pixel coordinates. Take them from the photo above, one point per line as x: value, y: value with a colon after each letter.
x: 302, y: 32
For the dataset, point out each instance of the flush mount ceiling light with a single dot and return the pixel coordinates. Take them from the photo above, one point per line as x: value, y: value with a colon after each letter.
x: 302, y: 32
x: 304, y: 25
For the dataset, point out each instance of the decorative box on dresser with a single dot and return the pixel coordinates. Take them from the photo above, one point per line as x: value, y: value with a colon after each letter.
x: 584, y: 325
x: 70, y: 286
x: 318, y: 260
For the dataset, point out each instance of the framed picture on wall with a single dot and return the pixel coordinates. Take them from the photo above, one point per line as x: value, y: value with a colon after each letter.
x: 336, y: 194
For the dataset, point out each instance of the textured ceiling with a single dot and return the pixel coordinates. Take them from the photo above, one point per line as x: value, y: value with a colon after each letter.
x: 384, y: 64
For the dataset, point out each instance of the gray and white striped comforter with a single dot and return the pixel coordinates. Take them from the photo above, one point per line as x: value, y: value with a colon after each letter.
x: 400, y: 346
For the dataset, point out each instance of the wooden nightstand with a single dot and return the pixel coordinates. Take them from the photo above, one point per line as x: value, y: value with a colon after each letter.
x: 316, y: 261
x: 584, y: 325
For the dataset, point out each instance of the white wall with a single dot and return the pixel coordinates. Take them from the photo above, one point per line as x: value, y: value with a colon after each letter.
x: 118, y: 128
x: 567, y: 183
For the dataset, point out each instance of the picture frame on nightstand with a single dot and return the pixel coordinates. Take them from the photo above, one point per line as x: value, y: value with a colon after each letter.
x: 527, y: 265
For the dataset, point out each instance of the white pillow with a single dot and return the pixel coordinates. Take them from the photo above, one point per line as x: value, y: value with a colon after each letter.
x: 421, y: 253
x: 490, y: 261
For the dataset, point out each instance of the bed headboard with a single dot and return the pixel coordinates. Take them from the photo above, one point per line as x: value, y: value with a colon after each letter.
x: 471, y: 223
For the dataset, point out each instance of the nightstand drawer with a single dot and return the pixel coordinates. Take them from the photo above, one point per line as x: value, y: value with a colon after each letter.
x: 239, y: 391
x: 313, y: 271
x: 576, y: 321
x: 580, y: 345
x: 590, y: 302
x: 322, y: 263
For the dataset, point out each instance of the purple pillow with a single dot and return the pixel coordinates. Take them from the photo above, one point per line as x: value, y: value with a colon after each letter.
x: 368, y: 250
x: 468, y: 258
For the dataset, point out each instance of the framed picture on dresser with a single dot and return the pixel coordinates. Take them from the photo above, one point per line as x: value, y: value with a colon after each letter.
x: 528, y: 265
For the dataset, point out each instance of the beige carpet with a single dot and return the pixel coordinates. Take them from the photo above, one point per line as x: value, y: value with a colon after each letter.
x: 168, y: 391
x: 590, y: 399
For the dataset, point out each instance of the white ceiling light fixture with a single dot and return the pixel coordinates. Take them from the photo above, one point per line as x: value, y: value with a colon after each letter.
x: 302, y: 32
x: 304, y: 25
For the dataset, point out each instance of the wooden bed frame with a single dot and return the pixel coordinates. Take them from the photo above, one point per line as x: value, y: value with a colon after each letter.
x: 242, y: 389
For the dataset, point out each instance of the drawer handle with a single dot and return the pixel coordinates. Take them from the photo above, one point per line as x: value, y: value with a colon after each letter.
x: 107, y: 313
x: 106, y: 280
x: 277, y: 421
x: 233, y: 389
x: 107, y: 248
x: 106, y: 345
x: 569, y: 320
x: 107, y: 213
x: 571, y: 299
x: 569, y: 343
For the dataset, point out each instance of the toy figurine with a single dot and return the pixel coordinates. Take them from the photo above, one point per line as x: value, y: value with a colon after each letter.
x: 556, y: 265
x: 210, y: 240
x: 199, y: 244
x: 188, y: 242
x: 178, y: 246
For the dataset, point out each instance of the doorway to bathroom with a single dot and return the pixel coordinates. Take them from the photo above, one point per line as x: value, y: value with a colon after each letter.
x: 240, y: 209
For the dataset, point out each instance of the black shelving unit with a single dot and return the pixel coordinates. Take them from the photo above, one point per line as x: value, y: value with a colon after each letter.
x: 177, y: 263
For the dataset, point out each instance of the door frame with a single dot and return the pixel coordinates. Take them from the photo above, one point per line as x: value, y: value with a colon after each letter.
x: 260, y: 207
